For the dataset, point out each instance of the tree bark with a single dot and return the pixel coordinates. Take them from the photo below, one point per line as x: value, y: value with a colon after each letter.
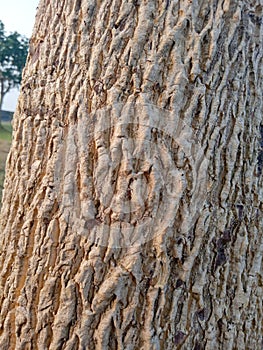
x: 132, y: 211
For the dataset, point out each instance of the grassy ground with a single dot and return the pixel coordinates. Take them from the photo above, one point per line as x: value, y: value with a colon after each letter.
x: 5, y: 142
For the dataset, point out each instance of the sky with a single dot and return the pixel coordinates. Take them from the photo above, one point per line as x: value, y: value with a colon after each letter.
x: 17, y: 15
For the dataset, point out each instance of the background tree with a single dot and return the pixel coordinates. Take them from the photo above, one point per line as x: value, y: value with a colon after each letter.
x: 13, y: 53
x: 113, y: 96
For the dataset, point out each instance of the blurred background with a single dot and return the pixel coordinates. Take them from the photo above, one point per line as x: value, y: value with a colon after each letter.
x: 17, y: 16
x: 16, y: 24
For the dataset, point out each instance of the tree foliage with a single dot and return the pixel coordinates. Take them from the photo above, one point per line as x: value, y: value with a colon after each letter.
x: 13, y: 54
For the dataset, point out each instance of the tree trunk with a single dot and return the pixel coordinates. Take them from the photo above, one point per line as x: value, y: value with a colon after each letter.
x: 2, y: 94
x: 132, y: 212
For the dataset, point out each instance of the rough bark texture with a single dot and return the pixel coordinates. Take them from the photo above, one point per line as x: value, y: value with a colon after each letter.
x: 197, y: 284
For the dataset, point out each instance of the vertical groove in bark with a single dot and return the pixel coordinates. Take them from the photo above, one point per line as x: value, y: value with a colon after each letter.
x: 199, y: 288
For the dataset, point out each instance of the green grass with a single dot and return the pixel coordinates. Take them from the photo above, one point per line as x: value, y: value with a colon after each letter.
x: 5, y: 142
x: 5, y: 131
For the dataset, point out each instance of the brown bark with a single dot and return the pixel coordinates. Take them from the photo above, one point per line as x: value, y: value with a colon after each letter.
x: 132, y: 212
